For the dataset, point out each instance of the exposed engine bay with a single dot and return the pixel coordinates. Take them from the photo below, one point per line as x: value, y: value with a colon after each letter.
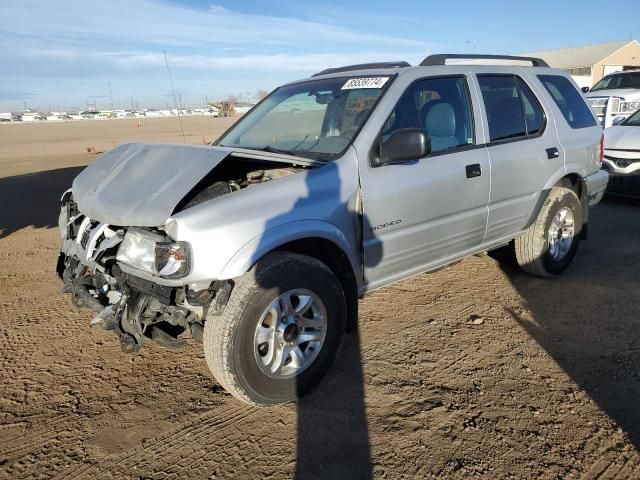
x: 234, y: 174
x: 92, y: 267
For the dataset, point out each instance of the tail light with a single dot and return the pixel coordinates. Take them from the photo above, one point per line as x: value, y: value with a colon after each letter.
x: 601, y: 156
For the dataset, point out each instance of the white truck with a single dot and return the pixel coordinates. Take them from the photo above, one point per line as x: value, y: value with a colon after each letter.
x: 615, y: 97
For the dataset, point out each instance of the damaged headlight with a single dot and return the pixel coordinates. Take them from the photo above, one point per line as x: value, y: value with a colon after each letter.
x: 172, y: 259
x: 152, y: 253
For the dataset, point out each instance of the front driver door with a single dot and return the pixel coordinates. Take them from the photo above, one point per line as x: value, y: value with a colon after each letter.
x: 426, y: 212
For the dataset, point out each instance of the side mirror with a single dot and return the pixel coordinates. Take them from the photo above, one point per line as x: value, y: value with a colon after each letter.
x: 618, y: 121
x: 584, y: 89
x: 402, y: 145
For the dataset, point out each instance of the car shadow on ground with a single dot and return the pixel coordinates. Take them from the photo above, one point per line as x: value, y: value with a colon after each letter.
x: 33, y: 199
x: 332, y: 431
x: 600, y: 354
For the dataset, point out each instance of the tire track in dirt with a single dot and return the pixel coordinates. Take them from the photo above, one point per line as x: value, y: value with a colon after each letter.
x: 35, y: 438
x: 164, y: 451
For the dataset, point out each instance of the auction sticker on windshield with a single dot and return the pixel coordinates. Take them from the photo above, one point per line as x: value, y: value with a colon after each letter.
x: 369, y: 82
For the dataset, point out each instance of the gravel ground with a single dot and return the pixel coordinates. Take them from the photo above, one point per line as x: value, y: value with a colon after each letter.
x: 476, y: 370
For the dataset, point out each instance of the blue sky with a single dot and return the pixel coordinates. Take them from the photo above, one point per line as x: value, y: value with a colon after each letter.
x: 65, y: 53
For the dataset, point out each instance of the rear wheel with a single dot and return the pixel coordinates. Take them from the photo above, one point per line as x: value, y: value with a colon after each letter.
x: 548, y: 246
x: 280, y: 331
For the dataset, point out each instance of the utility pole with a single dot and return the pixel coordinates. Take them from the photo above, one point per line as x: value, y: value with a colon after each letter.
x: 110, y: 93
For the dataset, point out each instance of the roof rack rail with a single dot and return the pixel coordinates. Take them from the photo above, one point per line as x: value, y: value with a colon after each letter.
x: 363, y: 66
x: 441, y: 59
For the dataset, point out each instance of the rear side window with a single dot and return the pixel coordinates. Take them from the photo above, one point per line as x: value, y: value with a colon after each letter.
x: 533, y: 114
x: 512, y: 109
x: 570, y: 102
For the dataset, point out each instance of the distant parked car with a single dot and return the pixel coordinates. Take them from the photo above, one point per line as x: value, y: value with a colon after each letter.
x: 622, y: 156
x: 615, y: 97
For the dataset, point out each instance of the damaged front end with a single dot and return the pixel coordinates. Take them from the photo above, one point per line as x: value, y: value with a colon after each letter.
x: 92, y: 261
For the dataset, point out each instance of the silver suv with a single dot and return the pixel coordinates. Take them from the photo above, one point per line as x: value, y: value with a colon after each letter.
x: 261, y: 244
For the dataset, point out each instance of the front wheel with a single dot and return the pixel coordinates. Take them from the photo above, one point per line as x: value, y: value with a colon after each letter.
x: 548, y: 246
x: 279, y: 332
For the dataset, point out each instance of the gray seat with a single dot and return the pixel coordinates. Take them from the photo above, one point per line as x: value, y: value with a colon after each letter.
x: 440, y: 126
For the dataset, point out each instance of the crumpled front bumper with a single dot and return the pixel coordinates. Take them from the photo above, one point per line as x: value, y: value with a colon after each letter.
x: 596, y: 186
x: 135, y: 308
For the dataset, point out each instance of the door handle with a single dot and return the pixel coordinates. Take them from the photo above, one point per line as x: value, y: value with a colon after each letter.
x: 473, y: 170
x: 552, y: 153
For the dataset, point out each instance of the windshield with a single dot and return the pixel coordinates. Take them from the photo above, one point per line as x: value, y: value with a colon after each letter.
x: 633, y: 120
x: 622, y: 80
x: 316, y: 119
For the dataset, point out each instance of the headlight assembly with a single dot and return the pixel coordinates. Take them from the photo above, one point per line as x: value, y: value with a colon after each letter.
x: 153, y: 254
x: 172, y: 259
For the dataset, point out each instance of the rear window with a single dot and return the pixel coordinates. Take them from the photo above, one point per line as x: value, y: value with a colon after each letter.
x: 570, y: 102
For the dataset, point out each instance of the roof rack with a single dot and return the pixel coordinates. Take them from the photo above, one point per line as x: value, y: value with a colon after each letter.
x: 441, y: 59
x: 363, y: 66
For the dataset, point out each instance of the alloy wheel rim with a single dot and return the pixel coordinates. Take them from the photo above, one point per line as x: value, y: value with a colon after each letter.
x: 561, y: 232
x: 290, y: 333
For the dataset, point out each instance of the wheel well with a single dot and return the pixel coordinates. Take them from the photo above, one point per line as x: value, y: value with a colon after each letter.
x: 572, y: 181
x: 334, y: 257
x: 576, y: 183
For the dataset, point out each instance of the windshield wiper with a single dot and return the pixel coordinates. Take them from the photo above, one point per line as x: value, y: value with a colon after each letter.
x: 269, y: 148
x: 293, y: 153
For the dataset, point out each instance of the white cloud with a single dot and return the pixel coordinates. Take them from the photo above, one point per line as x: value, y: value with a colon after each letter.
x: 216, y: 9
x: 151, y: 22
x: 276, y: 62
x: 66, y: 49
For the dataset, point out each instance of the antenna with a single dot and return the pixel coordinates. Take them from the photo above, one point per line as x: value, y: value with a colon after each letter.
x: 175, y: 102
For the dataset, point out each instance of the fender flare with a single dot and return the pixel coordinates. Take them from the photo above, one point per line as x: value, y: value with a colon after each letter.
x: 552, y: 182
x: 242, y: 261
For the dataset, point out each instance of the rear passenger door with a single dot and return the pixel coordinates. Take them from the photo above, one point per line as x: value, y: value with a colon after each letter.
x: 523, y: 150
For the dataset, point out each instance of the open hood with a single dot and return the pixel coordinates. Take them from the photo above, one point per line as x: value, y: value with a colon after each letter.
x: 141, y: 184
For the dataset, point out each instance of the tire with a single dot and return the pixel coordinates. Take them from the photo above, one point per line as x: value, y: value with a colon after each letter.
x: 240, y: 366
x: 537, y: 251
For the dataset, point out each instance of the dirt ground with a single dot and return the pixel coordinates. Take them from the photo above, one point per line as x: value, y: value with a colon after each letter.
x: 473, y: 371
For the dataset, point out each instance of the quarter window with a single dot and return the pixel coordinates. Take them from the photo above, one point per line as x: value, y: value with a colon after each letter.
x: 570, y: 102
x: 439, y: 106
x: 512, y: 108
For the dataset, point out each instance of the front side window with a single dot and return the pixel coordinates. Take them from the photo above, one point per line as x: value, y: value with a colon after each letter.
x: 570, y: 102
x: 513, y: 110
x: 315, y: 119
x: 439, y: 106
